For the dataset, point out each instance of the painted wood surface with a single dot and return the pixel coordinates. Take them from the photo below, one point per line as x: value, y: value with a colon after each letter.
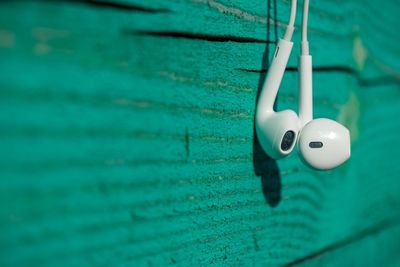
x: 127, y: 135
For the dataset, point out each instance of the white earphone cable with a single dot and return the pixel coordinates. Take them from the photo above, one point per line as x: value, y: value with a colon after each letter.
x: 292, y: 13
x: 290, y: 27
x: 304, y: 41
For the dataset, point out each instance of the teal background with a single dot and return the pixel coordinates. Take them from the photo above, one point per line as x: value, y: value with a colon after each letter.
x: 126, y: 135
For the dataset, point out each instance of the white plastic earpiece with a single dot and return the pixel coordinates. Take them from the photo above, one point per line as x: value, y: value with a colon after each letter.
x: 323, y: 144
x: 276, y: 131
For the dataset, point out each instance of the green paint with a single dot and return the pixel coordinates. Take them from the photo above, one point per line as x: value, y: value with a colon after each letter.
x: 126, y: 147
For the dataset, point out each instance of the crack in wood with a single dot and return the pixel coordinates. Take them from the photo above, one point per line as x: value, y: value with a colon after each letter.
x: 121, y: 6
x: 255, y: 242
x: 367, y: 232
x: 248, y: 16
x: 199, y: 36
x: 363, y: 82
x: 187, y: 143
x: 338, y: 68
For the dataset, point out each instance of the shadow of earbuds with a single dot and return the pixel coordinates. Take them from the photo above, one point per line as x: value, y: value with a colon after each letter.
x: 263, y: 165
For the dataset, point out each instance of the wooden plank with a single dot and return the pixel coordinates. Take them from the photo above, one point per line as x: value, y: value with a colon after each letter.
x: 129, y: 134
x: 374, y: 246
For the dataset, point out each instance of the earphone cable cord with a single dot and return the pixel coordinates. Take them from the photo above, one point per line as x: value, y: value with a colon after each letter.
x: 304, y: 26
x: 290, y: 27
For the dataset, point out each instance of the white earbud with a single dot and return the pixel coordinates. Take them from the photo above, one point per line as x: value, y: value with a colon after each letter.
x: 276, y: 131
x: 323, y: 144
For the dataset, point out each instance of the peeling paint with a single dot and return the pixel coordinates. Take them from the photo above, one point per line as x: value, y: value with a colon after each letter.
x: 237, y: 12
x: 350, y: 114
x: 360, y: 54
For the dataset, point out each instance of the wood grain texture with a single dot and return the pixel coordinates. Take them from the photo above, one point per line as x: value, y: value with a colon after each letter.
x: 377, y: 244
x: 127, y: 135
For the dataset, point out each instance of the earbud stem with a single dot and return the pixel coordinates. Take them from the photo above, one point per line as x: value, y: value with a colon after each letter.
x: 274, y: 77
x: 305, y: 90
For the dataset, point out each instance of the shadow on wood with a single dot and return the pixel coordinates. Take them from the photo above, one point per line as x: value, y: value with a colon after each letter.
x: 263, y: 165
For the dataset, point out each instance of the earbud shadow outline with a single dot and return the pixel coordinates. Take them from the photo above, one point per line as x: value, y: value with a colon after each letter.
x: 263, y: 165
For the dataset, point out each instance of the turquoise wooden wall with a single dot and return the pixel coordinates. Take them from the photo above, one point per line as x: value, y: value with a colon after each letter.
x: 126, y: 135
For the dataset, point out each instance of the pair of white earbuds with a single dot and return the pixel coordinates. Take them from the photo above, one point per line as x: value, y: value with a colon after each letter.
x: 323, y: 143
